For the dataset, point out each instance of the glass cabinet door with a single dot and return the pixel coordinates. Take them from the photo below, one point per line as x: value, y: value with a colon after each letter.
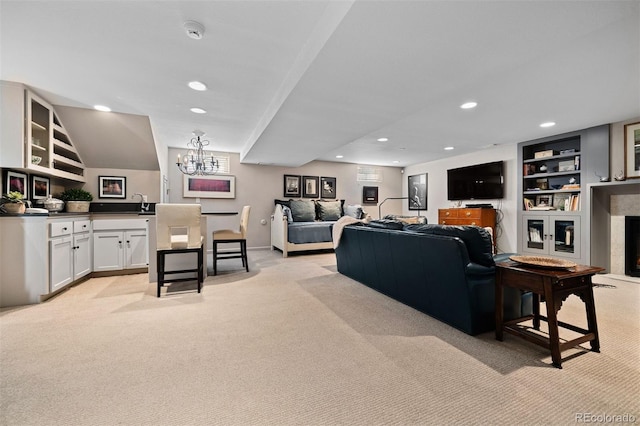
x: 535, y: 236
x: 566, y: 241
x: 552, y: 235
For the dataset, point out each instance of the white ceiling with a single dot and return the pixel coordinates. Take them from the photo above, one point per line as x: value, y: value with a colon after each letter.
x: 295, y: 81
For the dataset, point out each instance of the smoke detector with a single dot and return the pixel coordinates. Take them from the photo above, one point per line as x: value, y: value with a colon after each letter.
x: 194, y: 29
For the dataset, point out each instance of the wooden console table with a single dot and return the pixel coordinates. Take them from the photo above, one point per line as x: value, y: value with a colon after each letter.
x: 554, y: 285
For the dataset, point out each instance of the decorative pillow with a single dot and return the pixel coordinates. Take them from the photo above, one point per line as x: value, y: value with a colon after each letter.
x: 477, y: 240
x: 386, y: 224
x: 354, y: 211
x: 287, y: 212
x: 329, y: 210
x: 303, y: 210
x: 283, y: 202
x: 409, y: 220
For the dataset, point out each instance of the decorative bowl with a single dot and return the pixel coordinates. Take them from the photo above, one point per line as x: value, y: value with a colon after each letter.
x: 35, y: 159
x: 54, y: 205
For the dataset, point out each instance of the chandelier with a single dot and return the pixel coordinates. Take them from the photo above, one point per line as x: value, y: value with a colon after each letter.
x: 197, y: 161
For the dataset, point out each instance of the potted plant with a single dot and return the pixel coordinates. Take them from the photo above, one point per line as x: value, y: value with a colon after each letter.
x: 77, y: 200
x: 12, y: 202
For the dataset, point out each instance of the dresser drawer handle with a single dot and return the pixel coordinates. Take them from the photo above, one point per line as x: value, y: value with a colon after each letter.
x: 468, y: 214
x: 473, y: 224
x: 447, y: 213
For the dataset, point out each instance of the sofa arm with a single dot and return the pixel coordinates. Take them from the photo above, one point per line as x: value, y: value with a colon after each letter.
x: 477, y: 270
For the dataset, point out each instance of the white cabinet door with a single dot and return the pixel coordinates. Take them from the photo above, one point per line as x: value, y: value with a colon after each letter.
x: 136, y: 249
x: 60, y: 261
x: 108, y: 251
x: 81, y: 255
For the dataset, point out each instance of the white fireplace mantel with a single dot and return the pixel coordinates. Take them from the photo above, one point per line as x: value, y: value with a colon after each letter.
x: 606, y: 239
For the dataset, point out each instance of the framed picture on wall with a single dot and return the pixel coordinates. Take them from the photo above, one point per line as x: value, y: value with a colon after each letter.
x: 209, y: 186
x: 418, y: 192
x: 291, y: 186
x: 112, y: 187
x: 310, y: 186
x: 40, y: 187
x: 369, y: 195
x: 328, y: 187
x: 632, y: 150
x: 16, y: 182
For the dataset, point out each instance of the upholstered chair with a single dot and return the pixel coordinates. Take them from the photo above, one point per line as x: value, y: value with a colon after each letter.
x: 178, y: 231
x: 228, y: 236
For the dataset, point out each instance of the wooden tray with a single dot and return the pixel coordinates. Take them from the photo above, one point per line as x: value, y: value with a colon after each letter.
x: 543, y: 262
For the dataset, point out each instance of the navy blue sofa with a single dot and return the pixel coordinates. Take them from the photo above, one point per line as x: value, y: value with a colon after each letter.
x: 447, y: 272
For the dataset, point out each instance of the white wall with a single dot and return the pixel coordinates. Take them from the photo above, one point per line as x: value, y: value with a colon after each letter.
x: 437, y: 189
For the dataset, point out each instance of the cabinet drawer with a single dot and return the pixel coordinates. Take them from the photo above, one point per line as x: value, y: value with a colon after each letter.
x: 470, y: 213
x: 57, y: 229
x: 457, y: 221
x: 447, y: 213
x: 81, y: 226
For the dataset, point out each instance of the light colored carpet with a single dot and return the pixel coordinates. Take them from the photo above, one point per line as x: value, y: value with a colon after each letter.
x: 295, y: 343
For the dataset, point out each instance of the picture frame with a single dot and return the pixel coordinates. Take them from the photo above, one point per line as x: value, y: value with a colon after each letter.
x: 632, y: 150
x: 40, y: 187
x: 112, y: 187
x: 370, y: 195
x: 16, y: 182
x: 216, y: 186
x: 310, y: 186
x: 561, y: 201
x: 417, y: 190
x: 328, y: 187
x: 292, y: 185
x: 544, y: 200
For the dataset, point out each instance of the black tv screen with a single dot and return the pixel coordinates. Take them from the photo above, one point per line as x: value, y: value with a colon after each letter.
x: 477, y: 182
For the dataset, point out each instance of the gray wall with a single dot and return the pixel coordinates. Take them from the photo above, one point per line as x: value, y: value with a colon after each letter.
x: 259, y: 185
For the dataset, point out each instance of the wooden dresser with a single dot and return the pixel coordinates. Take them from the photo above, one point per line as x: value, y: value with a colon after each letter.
x: 482, y: 217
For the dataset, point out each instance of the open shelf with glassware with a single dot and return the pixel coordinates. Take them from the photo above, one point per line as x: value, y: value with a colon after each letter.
x: 49, y: 150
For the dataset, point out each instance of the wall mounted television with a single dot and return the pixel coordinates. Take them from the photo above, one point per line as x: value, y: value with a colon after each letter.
x: 478, y: 182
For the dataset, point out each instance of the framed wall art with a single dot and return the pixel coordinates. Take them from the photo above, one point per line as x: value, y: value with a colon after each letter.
x: 328, y: 187
x: 291, y: 186
x: 632, y: 150
x: 112, y: 187
x: 40, y: 187
x: 209, y: 186
x: 369, y: 195
x: 418, y: 192
x: 310, y: 185
x: 16, y: 182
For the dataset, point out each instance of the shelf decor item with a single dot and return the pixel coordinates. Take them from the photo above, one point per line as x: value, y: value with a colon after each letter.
x: 77, y: 200
x: 543, y: 262
x: 632, y: 150
x: 12, y: 202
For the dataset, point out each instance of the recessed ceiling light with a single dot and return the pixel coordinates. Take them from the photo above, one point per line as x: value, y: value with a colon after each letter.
x: 469, y: 105
x: 197, y: 85
x: 448, y: 148
x: 395, y: 161
x: 339, y: 156
x: 548, y: 124
x: 198, y: 110
x: 102, y: 108
x: 383, y: 139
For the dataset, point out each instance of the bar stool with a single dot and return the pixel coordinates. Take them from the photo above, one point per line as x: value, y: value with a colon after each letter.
x: 170, y: 217
x: 225, y: 236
